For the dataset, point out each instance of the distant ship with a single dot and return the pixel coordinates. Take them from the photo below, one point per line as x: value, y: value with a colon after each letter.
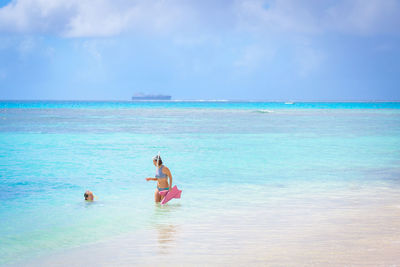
x: 140, y: 96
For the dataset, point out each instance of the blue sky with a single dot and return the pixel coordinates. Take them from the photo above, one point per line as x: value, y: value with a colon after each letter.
x: 251, y: 49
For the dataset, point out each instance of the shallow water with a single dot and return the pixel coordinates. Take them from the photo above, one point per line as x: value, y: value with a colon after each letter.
x: 262, y: 183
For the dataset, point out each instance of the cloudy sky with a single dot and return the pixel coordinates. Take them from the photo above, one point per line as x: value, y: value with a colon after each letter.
x: 204, y: 49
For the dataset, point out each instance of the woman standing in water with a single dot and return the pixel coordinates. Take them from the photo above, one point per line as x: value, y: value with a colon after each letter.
x: 162, y: 176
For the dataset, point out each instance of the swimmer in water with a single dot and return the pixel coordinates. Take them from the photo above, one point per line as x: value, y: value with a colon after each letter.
x: 88, y: 195
x: 163, y: 178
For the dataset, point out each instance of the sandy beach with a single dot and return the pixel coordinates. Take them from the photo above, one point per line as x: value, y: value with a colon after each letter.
x: 356, y: 227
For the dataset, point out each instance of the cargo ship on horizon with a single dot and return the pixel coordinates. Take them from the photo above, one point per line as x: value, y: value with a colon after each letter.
x: 140, y: 96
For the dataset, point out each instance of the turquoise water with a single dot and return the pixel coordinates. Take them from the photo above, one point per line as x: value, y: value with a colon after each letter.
x: 222, y: 104
x: 225, y: 156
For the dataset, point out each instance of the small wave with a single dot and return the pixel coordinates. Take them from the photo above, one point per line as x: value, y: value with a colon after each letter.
x: 264, y: 111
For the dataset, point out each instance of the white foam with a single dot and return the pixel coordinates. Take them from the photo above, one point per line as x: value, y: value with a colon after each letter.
x: 265, y: 111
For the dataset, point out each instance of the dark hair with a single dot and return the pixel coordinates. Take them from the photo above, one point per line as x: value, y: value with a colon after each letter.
x: 86, y: 195
x: 158, y: 158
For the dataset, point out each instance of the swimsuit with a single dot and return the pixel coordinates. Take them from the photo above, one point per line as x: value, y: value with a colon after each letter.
x: 162, y: 189
x: 161, y: 175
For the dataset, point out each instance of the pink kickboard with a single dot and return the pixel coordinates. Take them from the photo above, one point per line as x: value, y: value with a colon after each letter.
x: 163, y: 193
x: 168, y: 195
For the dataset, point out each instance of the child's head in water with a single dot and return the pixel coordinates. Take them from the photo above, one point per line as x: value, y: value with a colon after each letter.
x: 88, y: 195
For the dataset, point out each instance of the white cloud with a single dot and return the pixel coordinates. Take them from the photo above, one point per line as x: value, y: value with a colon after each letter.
x: 276, y: 16
x: 86, y: 18
x: 361, y: 17
x: 109, y: 18
x: 31, y: 16
x: 365, y: 17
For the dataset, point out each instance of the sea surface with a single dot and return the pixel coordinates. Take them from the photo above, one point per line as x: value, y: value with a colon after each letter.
x: 264, y: 183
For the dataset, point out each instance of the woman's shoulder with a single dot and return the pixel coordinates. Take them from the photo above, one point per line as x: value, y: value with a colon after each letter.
x: 165, y: 168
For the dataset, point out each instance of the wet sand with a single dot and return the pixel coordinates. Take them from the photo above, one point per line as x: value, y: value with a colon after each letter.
x: 353, y: 228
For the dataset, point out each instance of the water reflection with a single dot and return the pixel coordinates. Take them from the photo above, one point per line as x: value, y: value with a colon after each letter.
x: 166, y: 230
x: 166, y: 237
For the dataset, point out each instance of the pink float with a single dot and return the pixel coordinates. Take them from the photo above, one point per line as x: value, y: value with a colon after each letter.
x: 168, y: 195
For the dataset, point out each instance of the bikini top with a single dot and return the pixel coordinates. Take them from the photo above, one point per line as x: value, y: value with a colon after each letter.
x: 159, y: 173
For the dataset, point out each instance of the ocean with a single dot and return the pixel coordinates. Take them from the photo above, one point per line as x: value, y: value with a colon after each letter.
x: 264, y: 183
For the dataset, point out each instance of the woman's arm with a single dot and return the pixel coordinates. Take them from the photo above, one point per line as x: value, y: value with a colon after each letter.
x: 151, y: 179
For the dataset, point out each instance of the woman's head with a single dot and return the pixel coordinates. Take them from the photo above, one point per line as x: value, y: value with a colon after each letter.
x: 157, y: 159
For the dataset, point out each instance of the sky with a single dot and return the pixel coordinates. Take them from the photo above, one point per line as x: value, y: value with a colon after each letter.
x: 311, y: 50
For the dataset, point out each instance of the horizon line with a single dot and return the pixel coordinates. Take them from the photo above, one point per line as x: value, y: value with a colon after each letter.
x: 205, y: 100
